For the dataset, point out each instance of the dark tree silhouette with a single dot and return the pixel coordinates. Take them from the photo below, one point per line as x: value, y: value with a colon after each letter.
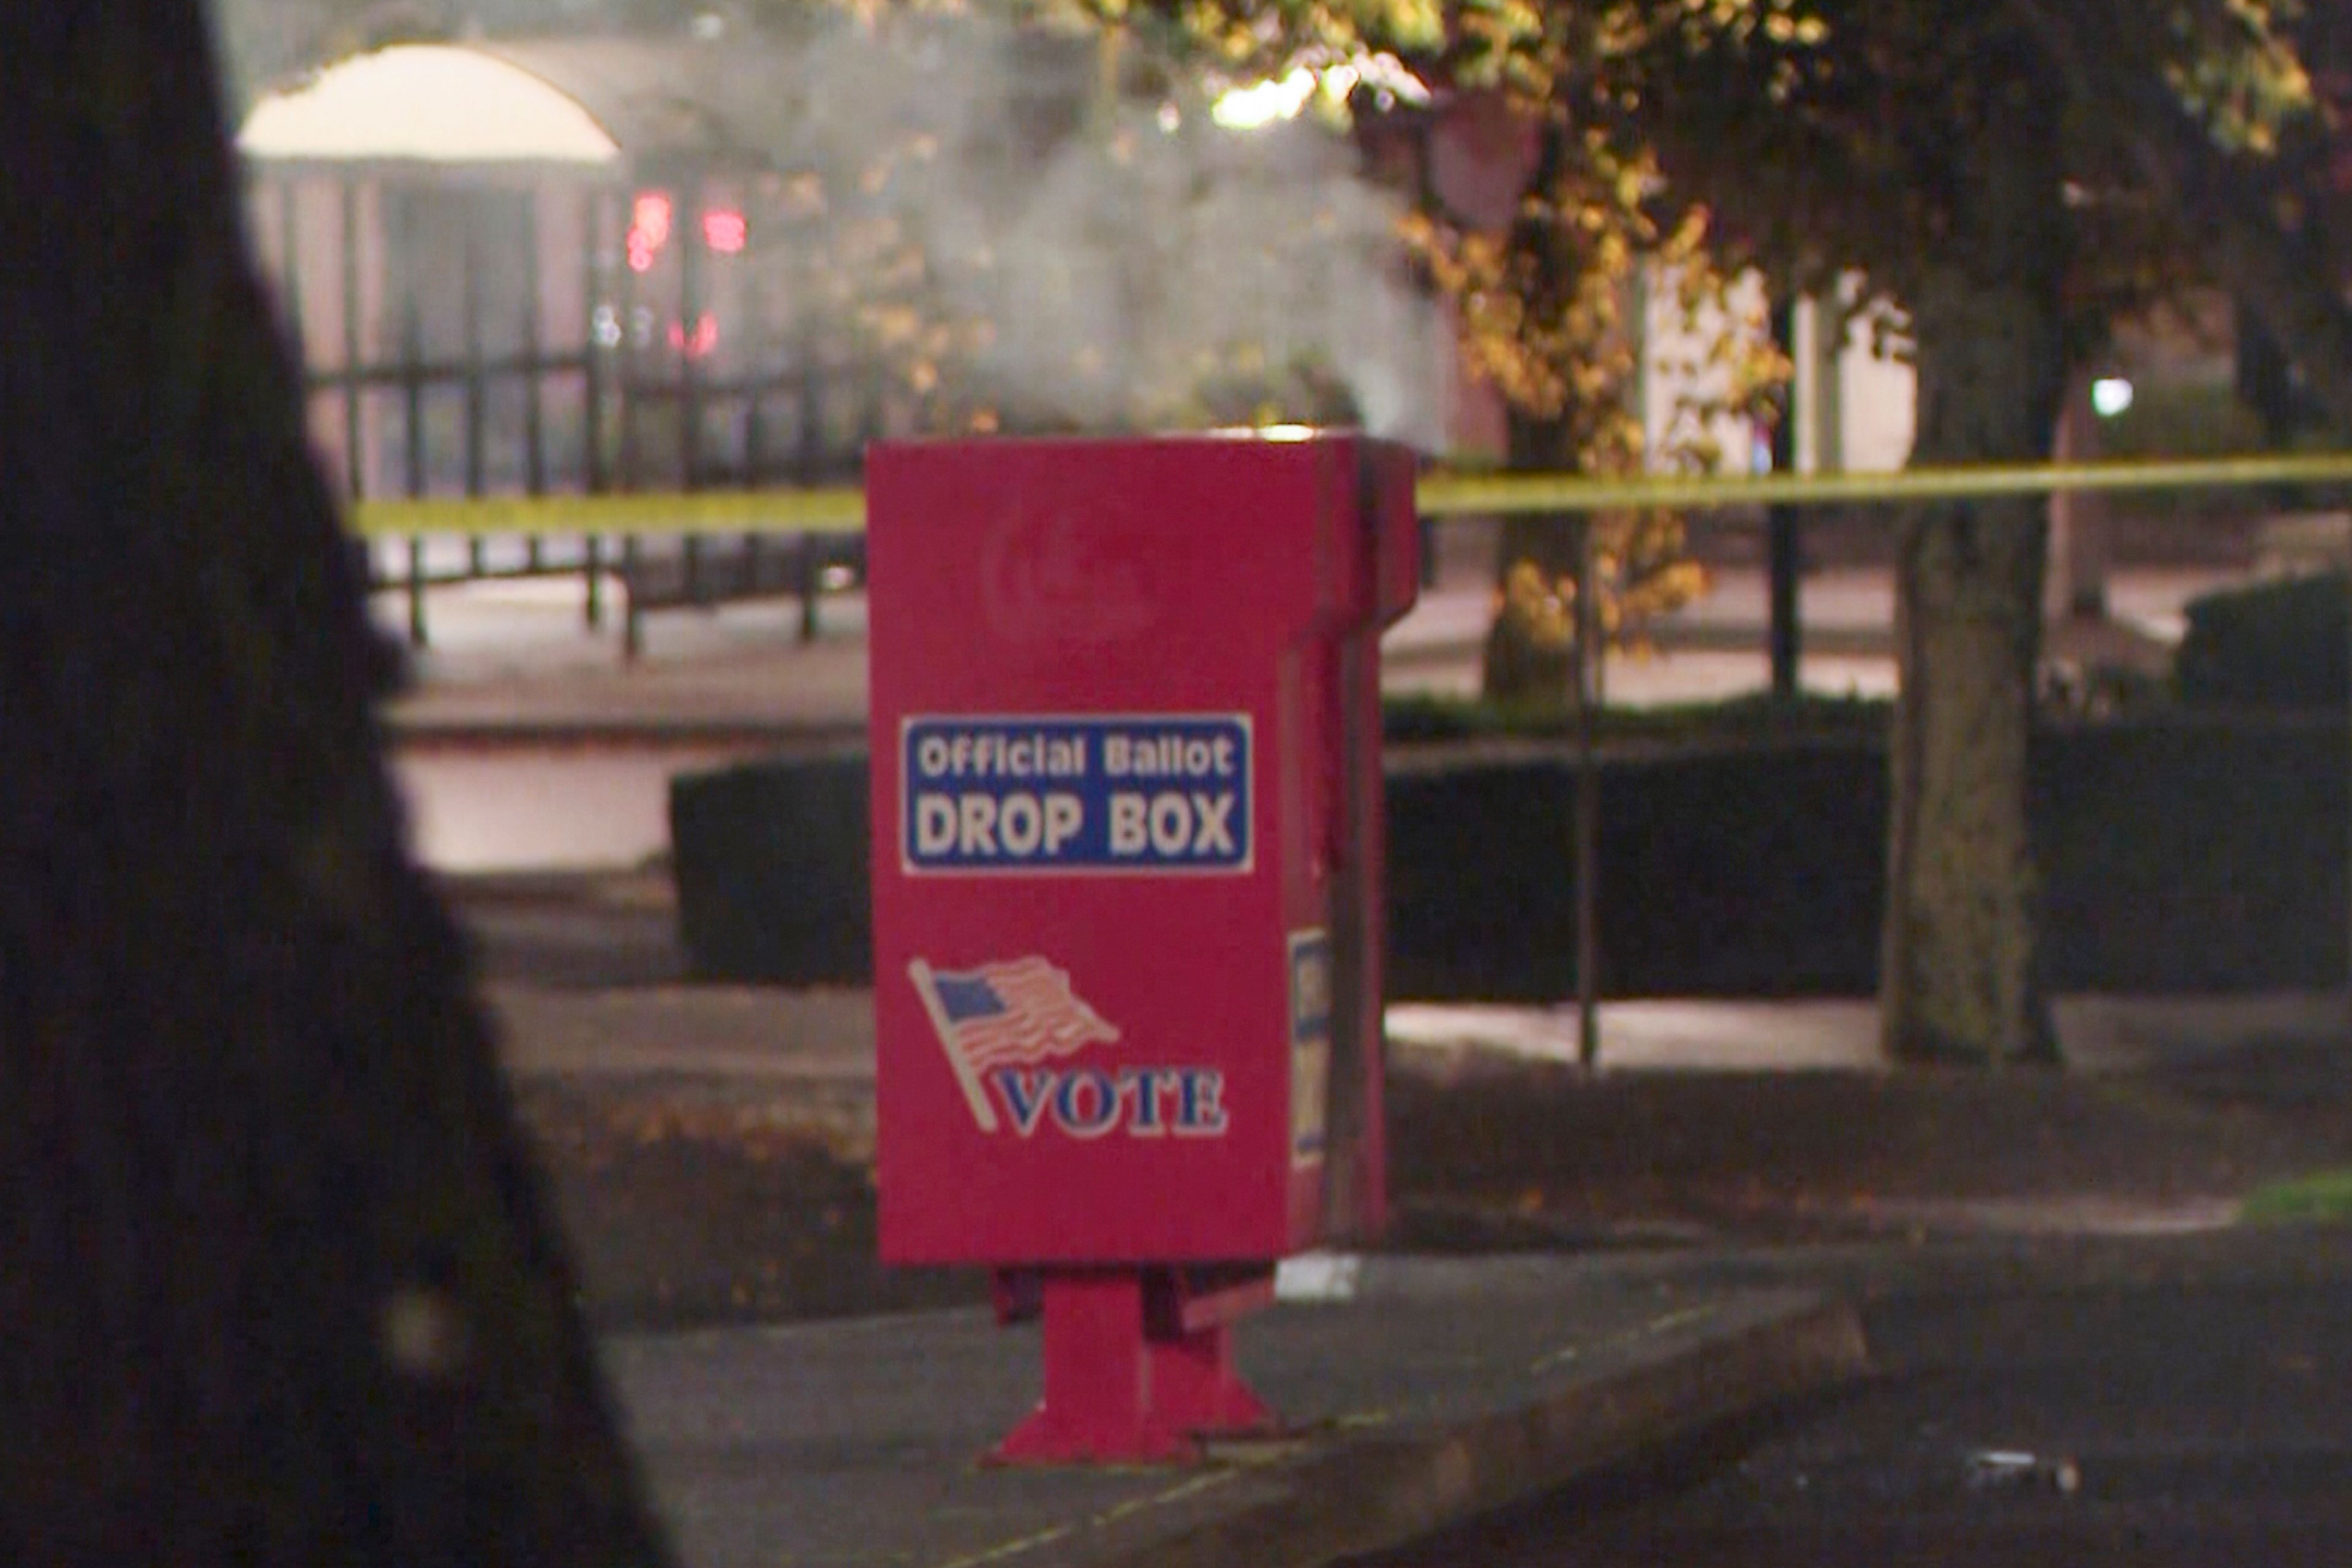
x: 277, y: 1284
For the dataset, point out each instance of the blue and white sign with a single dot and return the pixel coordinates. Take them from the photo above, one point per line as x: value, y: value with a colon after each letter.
x: 1155, y: 794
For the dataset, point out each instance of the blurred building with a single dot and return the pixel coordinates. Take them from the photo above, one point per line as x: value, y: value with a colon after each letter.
x: 568, y: 264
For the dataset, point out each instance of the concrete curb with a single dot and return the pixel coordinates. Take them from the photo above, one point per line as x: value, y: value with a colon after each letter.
x: 1381, y: 1490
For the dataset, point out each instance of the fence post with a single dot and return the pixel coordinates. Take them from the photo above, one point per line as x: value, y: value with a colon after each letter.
x: 411, y: 393
x: 354, y: 421
x: 477, y: 380
x: 1780, y: 519
x: 1588, y: 798
x: 416, y: 580
x: 347, y: 268
x: 811, y: 578
x: 689, y: 227
x: 631, y: 452
x: 592, y: 393
x: 534, y: 371
x: 633, y: 631
x: 596, y: 568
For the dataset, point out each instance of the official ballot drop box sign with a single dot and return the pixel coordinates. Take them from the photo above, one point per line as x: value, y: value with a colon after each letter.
x: 1126, y: 754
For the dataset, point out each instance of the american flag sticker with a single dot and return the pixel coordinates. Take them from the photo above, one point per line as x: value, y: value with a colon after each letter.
x: 1019, y: 1013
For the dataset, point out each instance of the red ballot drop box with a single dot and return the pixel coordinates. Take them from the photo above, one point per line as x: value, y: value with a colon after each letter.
x: 1127, y: 845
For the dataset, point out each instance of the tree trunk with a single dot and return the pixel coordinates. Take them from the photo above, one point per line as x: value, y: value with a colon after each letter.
x: 1530, y: 651
x: 1531, y: 658
x: 277, y: 1282
x: 1961, y: 959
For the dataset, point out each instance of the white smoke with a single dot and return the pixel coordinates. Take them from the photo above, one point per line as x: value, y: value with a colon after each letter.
x: 1121, y: 246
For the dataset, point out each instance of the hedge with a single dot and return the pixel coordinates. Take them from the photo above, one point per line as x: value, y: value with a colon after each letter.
x: 2177, y: 856
x: 770, y: 861
x: 2274, y: 645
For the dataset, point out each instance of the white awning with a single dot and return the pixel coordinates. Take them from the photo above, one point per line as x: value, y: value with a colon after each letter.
x: 438, y: 103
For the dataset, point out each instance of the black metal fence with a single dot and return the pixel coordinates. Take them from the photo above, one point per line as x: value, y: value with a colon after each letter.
x: 524, y: 333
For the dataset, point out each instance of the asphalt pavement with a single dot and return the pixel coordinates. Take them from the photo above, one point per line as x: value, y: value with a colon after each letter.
x: 1420, y: 1395
x: 2157, y: 1402
x: 1425, y: 1394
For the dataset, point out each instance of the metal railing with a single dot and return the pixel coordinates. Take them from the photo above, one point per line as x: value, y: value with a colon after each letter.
x: 718, y: 537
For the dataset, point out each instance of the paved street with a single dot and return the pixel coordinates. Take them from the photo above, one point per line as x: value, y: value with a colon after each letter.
x: 2152, y: 1402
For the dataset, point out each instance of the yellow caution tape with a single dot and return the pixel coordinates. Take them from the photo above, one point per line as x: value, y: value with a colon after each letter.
x: 843, y: 510
x: 1454, y: 495
x: 697, y: 512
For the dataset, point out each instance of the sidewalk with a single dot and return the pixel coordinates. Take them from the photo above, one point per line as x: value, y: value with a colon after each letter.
x: 825, y: 1038
x: 513, y: 661
x: 1420, y: 1394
